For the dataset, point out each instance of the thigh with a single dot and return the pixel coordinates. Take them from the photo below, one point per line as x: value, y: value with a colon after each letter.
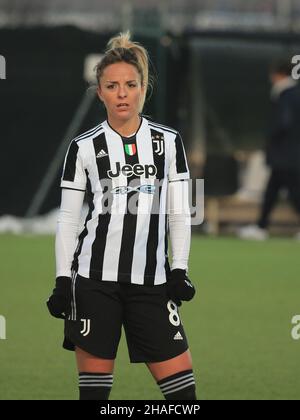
x: 87, y: 362
x: 161, y: 370
x: 96, y: 328
x: 152, y: 324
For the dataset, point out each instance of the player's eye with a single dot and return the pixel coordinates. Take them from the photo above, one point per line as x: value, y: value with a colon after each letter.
x: 110, y: 86
x: 132, y: 84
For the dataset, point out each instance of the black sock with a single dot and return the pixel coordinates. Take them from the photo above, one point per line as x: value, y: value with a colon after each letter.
x: 180, y: 386
x: 95, y: 386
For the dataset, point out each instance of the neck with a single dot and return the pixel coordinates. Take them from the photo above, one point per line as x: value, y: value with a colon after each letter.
x: 125, y: 128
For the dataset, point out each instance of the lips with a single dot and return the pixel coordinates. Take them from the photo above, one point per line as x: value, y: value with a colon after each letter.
x: 122, y: 105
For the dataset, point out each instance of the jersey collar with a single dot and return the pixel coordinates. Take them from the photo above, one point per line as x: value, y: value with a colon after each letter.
x: 107, y: 126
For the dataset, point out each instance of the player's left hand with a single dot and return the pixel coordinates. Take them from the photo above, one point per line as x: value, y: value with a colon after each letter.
x: 179, y: 287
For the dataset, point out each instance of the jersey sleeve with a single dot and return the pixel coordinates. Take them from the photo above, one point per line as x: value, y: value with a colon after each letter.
x: 68, y: 222
x: 74, y: 175
x: 178, y: 169
x: 179, y: 223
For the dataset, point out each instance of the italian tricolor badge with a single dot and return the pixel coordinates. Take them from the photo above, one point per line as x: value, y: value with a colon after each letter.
x: 130, y: 149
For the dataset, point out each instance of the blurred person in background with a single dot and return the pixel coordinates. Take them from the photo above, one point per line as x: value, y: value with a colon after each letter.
x: 283, y: 148
x: 116, y: 272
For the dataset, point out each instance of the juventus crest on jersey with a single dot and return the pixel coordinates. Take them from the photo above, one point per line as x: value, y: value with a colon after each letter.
x: 125, y: 233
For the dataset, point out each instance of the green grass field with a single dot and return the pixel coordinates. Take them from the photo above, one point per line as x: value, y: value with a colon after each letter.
x: 239, y: 324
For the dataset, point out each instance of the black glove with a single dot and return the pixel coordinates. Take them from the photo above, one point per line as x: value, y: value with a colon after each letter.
x: 179, y: 287
x: 59, y: 303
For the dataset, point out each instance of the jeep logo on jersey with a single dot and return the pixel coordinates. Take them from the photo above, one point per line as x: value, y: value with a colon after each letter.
x: 129, y: 170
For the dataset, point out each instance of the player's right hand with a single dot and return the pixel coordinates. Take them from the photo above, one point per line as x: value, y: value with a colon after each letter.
x: 59, y: 303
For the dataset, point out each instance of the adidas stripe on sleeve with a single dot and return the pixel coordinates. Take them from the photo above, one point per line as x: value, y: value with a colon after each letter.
x: 74, y: 176
x: 178, y: 165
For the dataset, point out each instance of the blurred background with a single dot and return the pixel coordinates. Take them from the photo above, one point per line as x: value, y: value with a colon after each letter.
x: 211, y: 61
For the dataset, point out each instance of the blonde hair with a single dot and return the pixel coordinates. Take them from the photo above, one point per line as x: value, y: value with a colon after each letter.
x: 121, y: 49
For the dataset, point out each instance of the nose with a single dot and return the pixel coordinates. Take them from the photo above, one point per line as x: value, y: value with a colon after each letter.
x: 122, y: 93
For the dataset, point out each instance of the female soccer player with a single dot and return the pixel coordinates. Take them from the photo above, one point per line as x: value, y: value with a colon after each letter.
x: 116, y: 272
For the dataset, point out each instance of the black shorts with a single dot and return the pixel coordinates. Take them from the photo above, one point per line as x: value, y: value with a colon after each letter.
x: 151, y: 321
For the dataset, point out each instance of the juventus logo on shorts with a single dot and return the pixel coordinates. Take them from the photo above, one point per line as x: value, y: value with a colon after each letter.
x: 86, y: 327
x: 159, y: 143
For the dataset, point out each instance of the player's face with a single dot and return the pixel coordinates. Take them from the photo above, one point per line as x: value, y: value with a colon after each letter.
x: 121, y: 91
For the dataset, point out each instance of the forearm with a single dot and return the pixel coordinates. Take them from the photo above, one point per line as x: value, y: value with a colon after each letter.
x: 179, y: 224
x: 67, y: 230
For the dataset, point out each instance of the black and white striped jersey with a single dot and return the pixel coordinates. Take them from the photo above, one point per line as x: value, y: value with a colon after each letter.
x: 125, y: 233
